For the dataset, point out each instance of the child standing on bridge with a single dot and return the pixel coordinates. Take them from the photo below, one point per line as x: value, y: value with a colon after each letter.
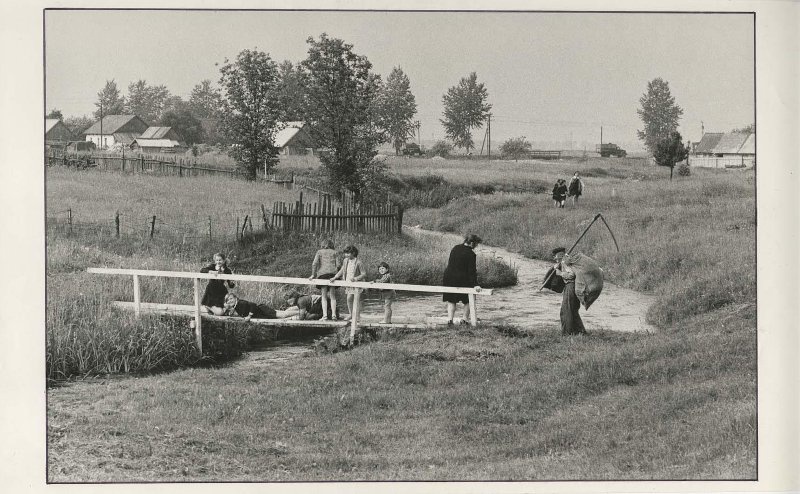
x: 324, y: 266
x: 214, y: 297
x: 387, y: 296
x: 352, y: 270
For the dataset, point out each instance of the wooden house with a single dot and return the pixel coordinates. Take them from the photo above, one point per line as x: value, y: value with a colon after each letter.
x: 115, y: 129
x: 159, y: 140
x: 293, y: 138
x: 56, y: 133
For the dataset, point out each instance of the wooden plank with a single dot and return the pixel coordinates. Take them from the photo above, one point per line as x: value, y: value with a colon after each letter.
x: 287, y: 280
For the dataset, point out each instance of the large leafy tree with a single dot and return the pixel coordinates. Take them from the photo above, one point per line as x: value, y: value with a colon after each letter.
x: 465, y: 108
x: 290, y: 95
x: 249, y: 110
x: 396, y: 108
x: 55, y: 113
x: 516, y: 148
x: 78, y: 124
x: 146, y: 101
x: 670, y: 151
x: 659, y: 114
x: 185, y: 124
x: 109, y: 101
x: 339, y: 104
x: 205, y: 100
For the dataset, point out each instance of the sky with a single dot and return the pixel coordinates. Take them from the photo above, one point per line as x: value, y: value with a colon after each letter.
x: 551, y: 77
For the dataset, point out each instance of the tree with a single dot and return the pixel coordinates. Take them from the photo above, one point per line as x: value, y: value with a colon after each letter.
x: 184, y: 123
x: 670, y: 151
x: 441, y: 148
x: 205, y: 100
x: 249, y: 111
x: 340, y: 93
x: 290, y: 94
x: 465, y: 108
x: 659, y: 114
x: 78, y: 124
x: 109, y: 102
x: 396, y: 108
x: 750, y: 129
x: 54, y: 113
x: 516, y: 148
x: 146, y: 101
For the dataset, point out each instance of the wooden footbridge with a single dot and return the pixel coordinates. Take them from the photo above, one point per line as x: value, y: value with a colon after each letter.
x: 195, y: 310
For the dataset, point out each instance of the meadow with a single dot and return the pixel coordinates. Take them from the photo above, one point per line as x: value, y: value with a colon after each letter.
x: 485, y: 403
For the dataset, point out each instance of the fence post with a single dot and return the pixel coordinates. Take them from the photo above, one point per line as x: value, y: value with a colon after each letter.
x: 237, y: 228
x: 399, y: 219
x: 264, y: 216
x: 141, y: 165
x: 116, y: 224
x: 473, y: 316
x: 354, y: 315
x: 209, y: 229
x: 69, y: 220
x: 152, y: 227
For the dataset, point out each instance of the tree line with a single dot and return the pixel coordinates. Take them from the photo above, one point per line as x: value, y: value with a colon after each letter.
x: 348, y: 109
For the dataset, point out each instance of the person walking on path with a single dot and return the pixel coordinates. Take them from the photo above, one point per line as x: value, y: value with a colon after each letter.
x: 461, y: 271
x: 323, y: 267
x: 575, y: 189
x: 560, y: 193
x: 571, y: 322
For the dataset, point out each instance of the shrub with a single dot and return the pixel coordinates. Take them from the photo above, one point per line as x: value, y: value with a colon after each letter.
x: 684, y: 170
x: 441, y: 148
x: 515, y: 148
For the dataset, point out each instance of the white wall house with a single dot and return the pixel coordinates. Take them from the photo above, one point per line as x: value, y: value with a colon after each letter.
x: 102, y: 134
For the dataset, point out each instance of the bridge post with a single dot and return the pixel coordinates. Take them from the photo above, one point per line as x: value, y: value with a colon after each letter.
x: 137, y: 303
x: 354, y: 315
x: 473, y: 315
x: 198, y: 321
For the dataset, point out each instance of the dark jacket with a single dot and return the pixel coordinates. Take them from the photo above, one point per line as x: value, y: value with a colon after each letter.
x: 214, y: 296
x: 461, y: 268
x: 245, y: 308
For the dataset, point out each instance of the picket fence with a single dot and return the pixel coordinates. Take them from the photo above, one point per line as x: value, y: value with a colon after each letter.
x: 326, y: 215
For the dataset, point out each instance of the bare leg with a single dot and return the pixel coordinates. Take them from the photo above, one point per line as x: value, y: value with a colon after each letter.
x: 451, y: 310
x: 332, y: 298
x: 466, y: 313
x: 324, y: 291
x: 350, y: 298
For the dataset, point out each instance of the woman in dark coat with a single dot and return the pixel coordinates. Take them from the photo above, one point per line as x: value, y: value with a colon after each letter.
x: 214, y: 296
x: 575, y: 189
x: 461, y: 271
x: 560, y: 193
x: 571, y: 322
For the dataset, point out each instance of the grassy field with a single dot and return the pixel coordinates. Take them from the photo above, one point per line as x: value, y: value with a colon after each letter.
x: 488, y: 403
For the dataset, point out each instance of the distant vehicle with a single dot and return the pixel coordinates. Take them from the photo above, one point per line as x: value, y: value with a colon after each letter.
x: 610, y: 149
x: 412, y: 149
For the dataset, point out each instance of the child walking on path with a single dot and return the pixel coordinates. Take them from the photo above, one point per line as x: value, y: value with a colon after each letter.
x: 387, y: 296
x: 575, y: 188
x: 560, y: 193
x: 214, y: 297
x: 324, y: 267
x: 352, y: 270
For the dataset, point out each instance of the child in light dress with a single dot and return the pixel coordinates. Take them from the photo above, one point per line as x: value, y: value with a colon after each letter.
x: 352, y: 270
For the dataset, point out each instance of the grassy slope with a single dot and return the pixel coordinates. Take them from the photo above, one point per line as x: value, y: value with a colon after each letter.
x: 452, y: 405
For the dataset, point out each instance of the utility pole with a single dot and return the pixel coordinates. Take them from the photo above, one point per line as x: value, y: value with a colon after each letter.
x: 419, y: 136
x: 489, y: 137
x: 601, y: 139
x: 101, y: 123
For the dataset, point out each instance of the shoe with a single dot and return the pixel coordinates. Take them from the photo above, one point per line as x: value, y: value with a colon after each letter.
x: 450, y: 322
x: 463, y: 323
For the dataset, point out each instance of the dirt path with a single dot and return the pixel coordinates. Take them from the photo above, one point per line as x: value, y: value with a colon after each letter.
x: 523, y: 305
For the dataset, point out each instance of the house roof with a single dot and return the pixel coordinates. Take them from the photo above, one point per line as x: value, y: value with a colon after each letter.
x: 749, y: 146
x: 157, y: 143
x: 708, y: 142
x: 111, y: 124
x: 125, y: 137
x: 155, y: 132
x: 287, y: 133
x: 730, y: 143
x: 49, y: 123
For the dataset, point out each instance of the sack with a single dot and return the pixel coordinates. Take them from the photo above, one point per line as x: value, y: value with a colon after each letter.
x: 588, y: 277
x: 554, y: 281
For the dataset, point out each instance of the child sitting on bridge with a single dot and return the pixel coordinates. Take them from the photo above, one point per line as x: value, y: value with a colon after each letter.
x: 214, y: 296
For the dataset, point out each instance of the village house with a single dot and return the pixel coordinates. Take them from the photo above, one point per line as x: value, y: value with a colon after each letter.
x: 56, y: 133
x: 115, y: 129
x: 294, y: 139
x: 724, y: 150
x: 159, y: 140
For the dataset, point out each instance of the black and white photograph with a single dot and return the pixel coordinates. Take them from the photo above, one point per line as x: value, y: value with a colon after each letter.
x: 336, y: 247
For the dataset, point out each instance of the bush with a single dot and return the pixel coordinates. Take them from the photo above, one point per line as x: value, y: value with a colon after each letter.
x: 684, y: 170
x: 515, y: 148
x: 441, y: 148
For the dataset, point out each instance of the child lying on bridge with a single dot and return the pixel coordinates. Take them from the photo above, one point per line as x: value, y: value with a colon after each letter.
x: 235, y: 306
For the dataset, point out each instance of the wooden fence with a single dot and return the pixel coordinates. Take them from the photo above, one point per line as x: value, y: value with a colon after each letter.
x: 327, y: 215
